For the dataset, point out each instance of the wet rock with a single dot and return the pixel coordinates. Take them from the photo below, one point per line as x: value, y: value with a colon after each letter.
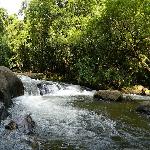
x: 108, y: 95
x: 3, y: 111
x: 12, y: 125
x: 43, y: 89
x: 29, y: 123
x: 144, y: 108
x: 10, y: 86
x: 26, y: 125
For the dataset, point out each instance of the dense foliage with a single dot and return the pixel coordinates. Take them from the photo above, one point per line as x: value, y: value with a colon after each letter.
x: 5, y: 52
x: 99, y: 43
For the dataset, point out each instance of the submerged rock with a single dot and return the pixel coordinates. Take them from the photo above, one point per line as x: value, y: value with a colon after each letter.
x: 144, y: 108
x: 108, y: 95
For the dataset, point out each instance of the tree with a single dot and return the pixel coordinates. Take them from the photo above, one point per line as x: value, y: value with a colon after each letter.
x: 5, y: 53
x: 98, y: 43
x: 127, y: 26
x: 19, y: 43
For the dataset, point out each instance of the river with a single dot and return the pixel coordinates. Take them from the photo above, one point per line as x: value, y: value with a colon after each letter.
x: 67, y: 117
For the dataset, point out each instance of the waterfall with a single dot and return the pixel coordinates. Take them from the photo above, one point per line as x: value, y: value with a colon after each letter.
x: 50, y: 88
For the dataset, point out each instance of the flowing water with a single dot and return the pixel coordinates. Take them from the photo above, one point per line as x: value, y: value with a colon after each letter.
x: 67, y: 117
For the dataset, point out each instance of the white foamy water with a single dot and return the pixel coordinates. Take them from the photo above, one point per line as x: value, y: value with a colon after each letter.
x: 137, y: 97
x: 56, y: 118
x: 54, y: 88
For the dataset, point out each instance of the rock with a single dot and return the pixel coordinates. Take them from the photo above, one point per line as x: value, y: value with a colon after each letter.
x: 26, y: 124
x: 109, y: 95
x: 10, y: 86
x: 12, y: 125
x: 146, y: 92
x: 3, y: 111
x: 137, y: 89
x: 30, y: 123
x: 43, y: 89
x: 144, y: 108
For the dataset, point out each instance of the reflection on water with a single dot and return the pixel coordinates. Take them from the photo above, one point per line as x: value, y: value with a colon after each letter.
x: 68, y: 118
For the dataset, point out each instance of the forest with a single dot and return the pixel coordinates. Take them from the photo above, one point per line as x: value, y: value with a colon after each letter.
x: 97, y: 43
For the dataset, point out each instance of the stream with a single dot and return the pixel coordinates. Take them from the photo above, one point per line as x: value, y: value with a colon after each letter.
x: 67, y: 118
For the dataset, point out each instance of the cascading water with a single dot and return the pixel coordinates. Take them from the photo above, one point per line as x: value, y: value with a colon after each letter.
x: 61, y: 125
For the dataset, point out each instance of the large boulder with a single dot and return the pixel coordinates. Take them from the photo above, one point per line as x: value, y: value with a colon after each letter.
x: 10, y: 86
x: 108, y: 95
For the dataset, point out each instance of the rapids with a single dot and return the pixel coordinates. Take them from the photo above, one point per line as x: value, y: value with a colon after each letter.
x: 67, y: 118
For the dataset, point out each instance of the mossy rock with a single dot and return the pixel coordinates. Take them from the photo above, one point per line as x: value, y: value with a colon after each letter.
x: 109, y: 95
